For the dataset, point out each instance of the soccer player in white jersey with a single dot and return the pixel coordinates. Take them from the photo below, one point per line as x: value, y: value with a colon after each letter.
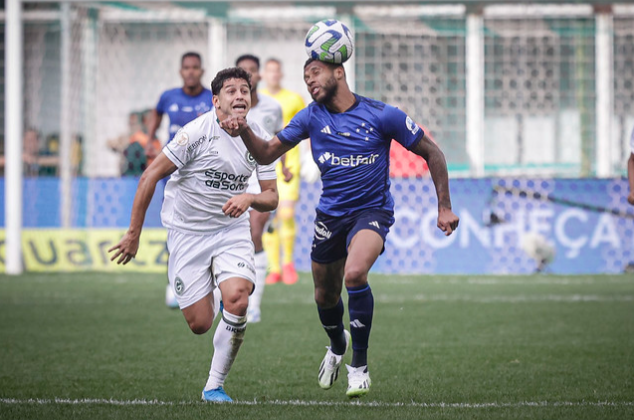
x: 350, y: 140
x: 266, y: 112
x: 206, y: 213
x: 630, y: 170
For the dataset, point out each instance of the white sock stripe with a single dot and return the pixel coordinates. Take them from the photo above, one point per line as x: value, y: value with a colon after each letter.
x: 96, y: 401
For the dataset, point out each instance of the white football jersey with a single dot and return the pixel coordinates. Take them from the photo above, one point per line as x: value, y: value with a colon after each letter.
x: 267, y: 114
x: 212, y: 168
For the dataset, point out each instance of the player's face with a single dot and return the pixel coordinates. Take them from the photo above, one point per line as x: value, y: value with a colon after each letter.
x: 251, y: 67
x: 320, y: 81
x: 234, y: 99
x: 272, y: 74
x: 191, y: 72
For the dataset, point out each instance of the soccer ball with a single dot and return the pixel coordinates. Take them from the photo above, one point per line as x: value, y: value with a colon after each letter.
x: 330, y: 41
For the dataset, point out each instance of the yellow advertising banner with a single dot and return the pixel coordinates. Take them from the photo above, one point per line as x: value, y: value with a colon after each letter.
x: 55, y: 250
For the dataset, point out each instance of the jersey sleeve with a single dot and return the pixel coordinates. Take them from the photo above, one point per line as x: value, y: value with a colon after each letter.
x: 279, y: 119
x: 264, y: 172
x: 400, y: 127
x: 183, y: 148
x: 297, y: 129
x: 161, y: 106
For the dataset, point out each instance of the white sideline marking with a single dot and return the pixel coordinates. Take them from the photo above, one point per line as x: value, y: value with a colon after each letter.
x: 88, y: 401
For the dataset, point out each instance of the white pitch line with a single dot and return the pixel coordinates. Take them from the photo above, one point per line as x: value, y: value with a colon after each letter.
x: 88, y: 401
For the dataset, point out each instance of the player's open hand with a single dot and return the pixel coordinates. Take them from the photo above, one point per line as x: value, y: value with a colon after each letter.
x: 237, y: 205
x: 234, y: 125
x: 447, y: 221
x: 630, y: 198
x: 126, y: 249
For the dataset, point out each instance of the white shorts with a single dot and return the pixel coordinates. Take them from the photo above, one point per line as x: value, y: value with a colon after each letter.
x: 198, y: 263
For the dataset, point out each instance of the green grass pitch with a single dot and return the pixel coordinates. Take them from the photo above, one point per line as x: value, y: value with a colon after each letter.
x: 95, y: 345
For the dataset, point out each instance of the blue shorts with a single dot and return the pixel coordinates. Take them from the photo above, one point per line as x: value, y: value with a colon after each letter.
x: 333, y: 234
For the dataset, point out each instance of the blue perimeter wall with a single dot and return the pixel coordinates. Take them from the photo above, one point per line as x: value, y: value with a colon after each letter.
x: 585, y: 241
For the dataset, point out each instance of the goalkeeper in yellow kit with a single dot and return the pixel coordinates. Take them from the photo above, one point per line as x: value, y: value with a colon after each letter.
x: 282, y: 230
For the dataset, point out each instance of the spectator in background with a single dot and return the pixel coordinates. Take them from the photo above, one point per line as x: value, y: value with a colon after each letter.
x: 133, y: 144
x: 36, y: 160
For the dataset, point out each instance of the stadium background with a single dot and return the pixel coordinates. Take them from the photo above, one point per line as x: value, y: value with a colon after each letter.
x: 537, y: 97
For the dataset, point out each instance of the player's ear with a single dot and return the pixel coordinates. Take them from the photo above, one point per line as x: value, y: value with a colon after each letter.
x: 215, y: 101
x: 340, y: 73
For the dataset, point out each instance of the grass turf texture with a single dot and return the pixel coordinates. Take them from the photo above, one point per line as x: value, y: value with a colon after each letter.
x: 442, y: 347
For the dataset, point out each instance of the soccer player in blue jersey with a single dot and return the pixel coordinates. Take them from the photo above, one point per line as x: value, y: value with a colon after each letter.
x: 350, y: 140
x: 182, y: 105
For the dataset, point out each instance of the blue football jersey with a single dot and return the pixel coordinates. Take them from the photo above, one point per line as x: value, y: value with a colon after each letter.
x: 352, y: 150
x: 182, y: 108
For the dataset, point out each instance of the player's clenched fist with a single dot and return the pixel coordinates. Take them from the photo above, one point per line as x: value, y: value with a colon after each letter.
x: 234, y: 125
x: 447, y: 221
x: 237, y: 205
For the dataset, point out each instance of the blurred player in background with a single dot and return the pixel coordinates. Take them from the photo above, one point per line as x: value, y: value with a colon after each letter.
x: 205, y: 212
x: 630, y: 170
x: 283, y: 225
x: 267, y: 112
x: 350, y: 138
x: 182, y: 105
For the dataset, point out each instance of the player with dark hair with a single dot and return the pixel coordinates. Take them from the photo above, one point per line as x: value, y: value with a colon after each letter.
x: 350, y: 138
x: 182, y: 105
x: 205, y: 212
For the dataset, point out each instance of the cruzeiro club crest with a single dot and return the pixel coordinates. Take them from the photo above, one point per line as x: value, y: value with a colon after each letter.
x: 179, y: 286
x: 250, y: 158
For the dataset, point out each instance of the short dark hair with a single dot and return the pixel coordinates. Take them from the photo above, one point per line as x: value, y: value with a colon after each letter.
x: 331, y: 65
x: 231, y: 73
x: 248, y: 57
x: 191, y: 54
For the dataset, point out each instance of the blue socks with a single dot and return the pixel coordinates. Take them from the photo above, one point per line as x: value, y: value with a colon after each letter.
x: 332, y: 321
x: 360, y: 308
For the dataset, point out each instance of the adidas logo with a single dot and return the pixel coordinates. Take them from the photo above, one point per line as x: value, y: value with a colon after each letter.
x: 326, y: 130
x: 375, y: 224
x: 326, y: 156
x: 356, y: 324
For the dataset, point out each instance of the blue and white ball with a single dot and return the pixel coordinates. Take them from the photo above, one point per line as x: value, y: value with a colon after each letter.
x: 330, y: 41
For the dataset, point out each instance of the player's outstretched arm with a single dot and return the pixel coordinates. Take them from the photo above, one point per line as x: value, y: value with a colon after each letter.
x: 447, y: 220
x: 127, y: 248
x: 264, y: 152
x: 630, y: 176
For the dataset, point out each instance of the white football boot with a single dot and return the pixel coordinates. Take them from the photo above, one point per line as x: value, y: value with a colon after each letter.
x: 329, y: 368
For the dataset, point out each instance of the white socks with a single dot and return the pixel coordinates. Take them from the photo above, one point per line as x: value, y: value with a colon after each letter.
x: 227, y: 341
x: 261, y: 263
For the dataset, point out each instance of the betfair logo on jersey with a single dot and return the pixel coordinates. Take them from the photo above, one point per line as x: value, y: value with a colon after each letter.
x: 351, y: 161
x: 225, y: 181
